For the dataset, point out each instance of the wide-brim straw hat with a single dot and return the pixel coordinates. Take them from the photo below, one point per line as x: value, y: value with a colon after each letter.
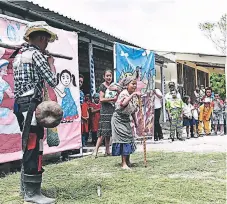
x: 39, y: 26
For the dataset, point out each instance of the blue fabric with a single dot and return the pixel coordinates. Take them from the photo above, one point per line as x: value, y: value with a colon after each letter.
x: 189, y: 122
x: 68, y: 105
x: 128, y: 58
x: 196, y: 122
x: 81, y: 97
x: 123, y: 149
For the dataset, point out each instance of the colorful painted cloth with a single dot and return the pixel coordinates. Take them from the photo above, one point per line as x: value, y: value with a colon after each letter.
x: 69, y: 107
x: 4, y: 112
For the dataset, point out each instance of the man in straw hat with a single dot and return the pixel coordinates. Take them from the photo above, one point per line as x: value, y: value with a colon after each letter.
x: 31, y: 70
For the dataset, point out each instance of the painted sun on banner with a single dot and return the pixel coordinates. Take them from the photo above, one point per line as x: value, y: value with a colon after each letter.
x: 138, y: 62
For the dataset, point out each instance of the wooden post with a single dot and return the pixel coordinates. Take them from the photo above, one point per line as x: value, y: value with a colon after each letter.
x: 142, y: 130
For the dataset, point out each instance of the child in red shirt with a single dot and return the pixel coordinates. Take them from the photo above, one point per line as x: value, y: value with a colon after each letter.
x: 85, y: 120
x: 95, y: 116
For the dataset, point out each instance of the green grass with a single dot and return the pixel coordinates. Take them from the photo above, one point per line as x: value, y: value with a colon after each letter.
x: 169, y: 178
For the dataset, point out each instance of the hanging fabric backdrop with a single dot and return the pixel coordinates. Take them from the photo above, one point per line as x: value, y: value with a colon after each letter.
x: 67, y: 95
x: 138, y: 62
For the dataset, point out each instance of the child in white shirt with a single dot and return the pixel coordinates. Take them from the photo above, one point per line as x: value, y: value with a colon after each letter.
x: 195, y: 116
x: 188, y: 121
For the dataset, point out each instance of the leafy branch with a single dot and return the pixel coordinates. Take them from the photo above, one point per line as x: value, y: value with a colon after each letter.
x: 216, y: 32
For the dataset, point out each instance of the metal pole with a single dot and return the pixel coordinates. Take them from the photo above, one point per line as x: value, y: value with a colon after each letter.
x: 114, y: 62
x: 163, y: 92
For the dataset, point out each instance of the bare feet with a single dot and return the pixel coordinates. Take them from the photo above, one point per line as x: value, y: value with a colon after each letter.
x: 95, y: 154
x: 125, y: 167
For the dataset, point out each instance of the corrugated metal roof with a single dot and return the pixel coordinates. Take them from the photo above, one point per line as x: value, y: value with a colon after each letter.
x: 30, y: 8
x: 81, y: 27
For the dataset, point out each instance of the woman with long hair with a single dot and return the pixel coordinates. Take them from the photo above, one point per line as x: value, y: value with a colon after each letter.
x: 106, y: 113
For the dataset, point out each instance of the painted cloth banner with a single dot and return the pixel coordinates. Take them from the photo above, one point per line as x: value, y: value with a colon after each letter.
x: 138, y: 62
x: 66, y: 92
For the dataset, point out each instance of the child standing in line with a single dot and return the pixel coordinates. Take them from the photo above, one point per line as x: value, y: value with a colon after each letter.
x: 95, y: 117
x: 85, y: 120
x: 205, y: 111
x: 174, y: 106
x: 218, y: 117
x: 188, y: 121
x: 195, y: 116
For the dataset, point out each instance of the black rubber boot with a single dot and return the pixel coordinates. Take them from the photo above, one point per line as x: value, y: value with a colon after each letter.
x: 32, y: 187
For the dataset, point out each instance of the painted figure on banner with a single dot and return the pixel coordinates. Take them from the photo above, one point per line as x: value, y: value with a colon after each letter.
x: 69, y: 107
x: 140, y: 63
x: 11, y: 32
x: 141, y: 86
x: 6, y: 115
x: 137, y: 73
x: 9, y: 127
x: 149, y: 113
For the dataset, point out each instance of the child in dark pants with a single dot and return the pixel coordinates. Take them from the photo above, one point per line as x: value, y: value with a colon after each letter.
x: 95, y: 116
x: 195, y: 116
x: 188, y: 121
x: 85, y: 120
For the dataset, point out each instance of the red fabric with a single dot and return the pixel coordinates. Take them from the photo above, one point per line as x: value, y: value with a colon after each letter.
x: 10, y: 143
x: 32, y: 141
x: 40, y: 162
x: 95, y: 117
x: 51, y: 93
x: 85, y: 114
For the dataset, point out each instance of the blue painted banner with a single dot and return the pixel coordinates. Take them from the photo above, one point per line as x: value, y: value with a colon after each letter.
x: 138, y: 62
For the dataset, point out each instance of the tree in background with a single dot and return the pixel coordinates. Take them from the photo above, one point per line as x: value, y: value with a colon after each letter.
x: 217, y: 33
x: 218, y: 84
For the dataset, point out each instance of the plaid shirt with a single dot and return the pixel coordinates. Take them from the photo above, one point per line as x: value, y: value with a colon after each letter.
x: 31, y: 73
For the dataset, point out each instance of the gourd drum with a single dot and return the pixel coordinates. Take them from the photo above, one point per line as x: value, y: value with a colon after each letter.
x: 49, y: 114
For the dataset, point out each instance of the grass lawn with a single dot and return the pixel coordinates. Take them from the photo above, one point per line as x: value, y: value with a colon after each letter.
x: 169, y: 178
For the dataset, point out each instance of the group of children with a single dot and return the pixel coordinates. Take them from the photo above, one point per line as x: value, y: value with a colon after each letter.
x: 90, y: 115
x: 199, y: 118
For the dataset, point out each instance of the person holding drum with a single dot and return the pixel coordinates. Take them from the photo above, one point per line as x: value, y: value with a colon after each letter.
x: 31, y: 70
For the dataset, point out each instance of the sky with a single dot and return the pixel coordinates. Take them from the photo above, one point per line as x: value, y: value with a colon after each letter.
x: 163, y: 25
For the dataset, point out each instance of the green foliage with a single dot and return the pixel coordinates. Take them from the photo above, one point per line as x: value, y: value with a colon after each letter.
x: 218, y: 84
x: 216, y: 32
